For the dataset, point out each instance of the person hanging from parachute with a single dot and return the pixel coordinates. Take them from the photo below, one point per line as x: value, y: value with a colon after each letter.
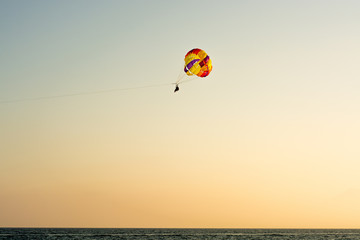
x: 198, y: 63
x: 176, y: 88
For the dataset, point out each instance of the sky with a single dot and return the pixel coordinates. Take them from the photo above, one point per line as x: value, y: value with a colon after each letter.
x: 270, y: 139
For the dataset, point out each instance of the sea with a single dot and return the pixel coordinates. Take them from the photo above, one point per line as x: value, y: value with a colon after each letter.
x: 176, y: 234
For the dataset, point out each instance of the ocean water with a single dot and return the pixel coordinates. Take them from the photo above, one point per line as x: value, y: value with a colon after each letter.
x: 177, y: 234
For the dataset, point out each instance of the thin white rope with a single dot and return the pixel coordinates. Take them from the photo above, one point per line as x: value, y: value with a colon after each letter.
x: 182, y: 76
x: 82, y: 93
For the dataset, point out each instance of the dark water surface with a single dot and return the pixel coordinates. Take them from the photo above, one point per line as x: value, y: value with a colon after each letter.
x: 177, y: 234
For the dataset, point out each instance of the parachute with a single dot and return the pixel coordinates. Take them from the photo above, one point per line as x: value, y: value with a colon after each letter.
x: 197, y: 63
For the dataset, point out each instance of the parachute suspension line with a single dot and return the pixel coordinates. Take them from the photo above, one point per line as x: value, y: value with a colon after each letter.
x: 183, y: 77
x: 180, y: 79
x: 185, y: 81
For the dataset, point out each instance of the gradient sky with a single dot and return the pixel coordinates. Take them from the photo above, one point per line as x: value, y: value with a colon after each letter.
x: 269, y: 139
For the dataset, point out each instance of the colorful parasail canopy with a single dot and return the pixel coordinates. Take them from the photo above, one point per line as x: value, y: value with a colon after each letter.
x: 197, y: 62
